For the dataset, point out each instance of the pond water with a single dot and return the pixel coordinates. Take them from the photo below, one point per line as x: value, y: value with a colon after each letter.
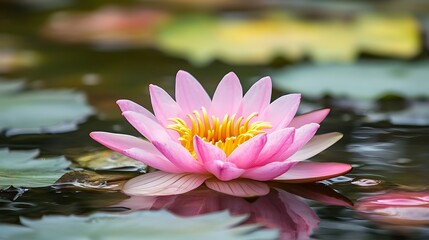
x: 386, y: 157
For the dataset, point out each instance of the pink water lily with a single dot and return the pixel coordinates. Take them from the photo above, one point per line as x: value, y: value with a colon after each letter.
x: 230, y: 142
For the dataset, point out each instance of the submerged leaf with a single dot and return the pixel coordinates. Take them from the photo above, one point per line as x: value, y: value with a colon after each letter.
x: 138, y: 225
x: 94, y: 180
x: 108, y: 160
x: 42, y: 111
x: 403, y: 79
x: 21, y: 169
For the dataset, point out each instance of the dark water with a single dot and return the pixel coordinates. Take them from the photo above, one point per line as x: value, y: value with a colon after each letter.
x: 385, y: 157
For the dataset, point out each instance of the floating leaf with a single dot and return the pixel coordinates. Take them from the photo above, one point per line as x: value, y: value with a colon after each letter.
x: 396, y: 36
x: 21, y: 169
x: 138, y: 225
x: 108, y: 160
x: 96, y: 180
x: 332, y: 42
x: 41, y: 111
x: 250, y: 39
x: 364, y: 80
x: 192, y: 37
x: 11, y: 86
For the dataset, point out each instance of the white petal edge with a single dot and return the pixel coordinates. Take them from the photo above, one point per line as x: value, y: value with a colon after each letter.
x: 316, y: 145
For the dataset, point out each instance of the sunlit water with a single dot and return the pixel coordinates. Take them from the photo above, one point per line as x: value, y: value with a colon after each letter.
x: 385, y: 157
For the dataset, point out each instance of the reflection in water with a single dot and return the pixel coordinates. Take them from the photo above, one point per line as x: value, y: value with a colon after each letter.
x: 396, y: 208
x: 278, y: 209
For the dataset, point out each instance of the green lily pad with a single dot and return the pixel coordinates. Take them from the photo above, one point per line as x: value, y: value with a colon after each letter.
x: 21, y: 169
x: 364, y: 80
x: 40, y: 111
x: 191, y: 36
x: 138, y: 225
x: 109, y: 160
x: 10, y: 86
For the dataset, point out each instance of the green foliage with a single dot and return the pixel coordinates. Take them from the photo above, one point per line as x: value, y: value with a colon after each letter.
x: 137, y: 225
x: 41, y: 111
x: 21, y: 169
x: 364, y: 80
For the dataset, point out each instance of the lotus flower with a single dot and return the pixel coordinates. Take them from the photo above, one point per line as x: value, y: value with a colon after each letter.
x: 230, y: 142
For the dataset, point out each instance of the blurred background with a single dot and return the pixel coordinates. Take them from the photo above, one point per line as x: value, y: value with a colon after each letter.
x: 64, y: 63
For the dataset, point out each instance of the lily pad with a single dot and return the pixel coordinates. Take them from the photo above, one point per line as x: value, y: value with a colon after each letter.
x: 396, y: 36
x: 41, y: 111
x: 11, y: 86
x: 138, y: 225
x: 21, y: 169
x: 251, y: 39
x: 109, y: 160
x: 364, y: 80
x: 96, y: 181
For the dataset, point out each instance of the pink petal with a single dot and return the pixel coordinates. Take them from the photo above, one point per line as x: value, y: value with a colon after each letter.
x: 156, y: 161
x: 302, y: 136
x: 223, y: 171
x: 162, y: 183
x: 207, y: 152
x: 316, y: 145
x: 269, y: 171
x: 213, y: 159
x: 127, y: 105
x: 280, y: 112
x: 239, y: 187
x: 135, y: 148
x: 121, y: 142
x: 311, y: 117
x: 313, y: 171
x: 277, y: 141
x: 164, y: 106
x: 179, y: 156
x: 245, y: 155
x: 147, y: 127
x: 258, y: 97
x: 190, y: 95
x: 227, y: 97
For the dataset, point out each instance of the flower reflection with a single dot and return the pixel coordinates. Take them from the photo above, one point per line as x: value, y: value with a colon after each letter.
x: 278, y: 209
x: 396, y: 208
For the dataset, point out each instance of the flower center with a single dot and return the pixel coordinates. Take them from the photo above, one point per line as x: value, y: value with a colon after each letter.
x: 227, y: 133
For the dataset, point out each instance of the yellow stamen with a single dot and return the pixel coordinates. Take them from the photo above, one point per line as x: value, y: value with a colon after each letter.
x: 227, y: 134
